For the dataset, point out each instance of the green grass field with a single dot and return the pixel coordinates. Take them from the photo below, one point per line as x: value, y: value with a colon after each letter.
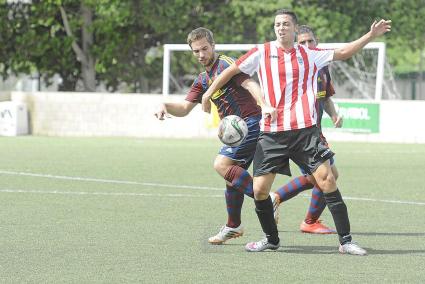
x: 110, y: 210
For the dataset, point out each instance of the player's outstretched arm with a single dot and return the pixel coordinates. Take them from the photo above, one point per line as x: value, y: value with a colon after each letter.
x: 219, y: 82
x: 256, y: 92
x: 377, y: 29
x: 329, y: 108
x: 161, y: 113
x: 179, y: 109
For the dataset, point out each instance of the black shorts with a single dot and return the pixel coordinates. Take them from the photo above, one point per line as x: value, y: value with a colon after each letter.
x: 303, y: 146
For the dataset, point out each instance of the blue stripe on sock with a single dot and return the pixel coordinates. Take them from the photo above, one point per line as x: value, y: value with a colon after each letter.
x: 248, y: 190
x: 318, y: 202
x: 298, y: 183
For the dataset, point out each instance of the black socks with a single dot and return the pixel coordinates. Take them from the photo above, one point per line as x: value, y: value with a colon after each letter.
x: 264, y: 210
x: 340, y: 215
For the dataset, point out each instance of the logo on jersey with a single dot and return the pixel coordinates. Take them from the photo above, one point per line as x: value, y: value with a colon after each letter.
x: 321, y: 94
x: 217, y: 94
x: 273, y: 56
x: 300, y: 60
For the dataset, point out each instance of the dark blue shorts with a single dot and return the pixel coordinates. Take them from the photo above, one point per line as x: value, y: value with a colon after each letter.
x: 244, y: 153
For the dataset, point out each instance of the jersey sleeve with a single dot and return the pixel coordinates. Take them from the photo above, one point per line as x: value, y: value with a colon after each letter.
x: 196, y: 91
x: 321, y: 57
x: 240, y: 78
x: 226, y: 62
x: 249, y: 62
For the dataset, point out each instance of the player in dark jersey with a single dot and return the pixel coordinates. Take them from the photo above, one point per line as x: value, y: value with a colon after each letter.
x: 238, y: 97
x: 325, y: 90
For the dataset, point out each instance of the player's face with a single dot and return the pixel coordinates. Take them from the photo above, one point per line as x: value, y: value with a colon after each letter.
x: 307, y: 39
x: 203, y: 51
x: 284, y: 28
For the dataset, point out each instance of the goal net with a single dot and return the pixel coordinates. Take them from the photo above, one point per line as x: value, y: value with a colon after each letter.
x: 364, y: 76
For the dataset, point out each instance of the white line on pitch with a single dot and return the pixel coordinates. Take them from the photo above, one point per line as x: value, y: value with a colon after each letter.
x: 383, y: 200
x: 159, y: 185
x: 106, y: 193
x: 107, y: 180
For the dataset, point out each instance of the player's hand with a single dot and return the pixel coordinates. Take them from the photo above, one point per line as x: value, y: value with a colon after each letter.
x: 380, y: 27
x: 206, y: 104
x: 270, y: 112
x: 338, y: 121
x: 162, y: 113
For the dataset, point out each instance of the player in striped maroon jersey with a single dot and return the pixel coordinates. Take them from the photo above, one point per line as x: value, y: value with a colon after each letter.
x: 288, y: 78
x: 325, y: 90
x: 234, y: 98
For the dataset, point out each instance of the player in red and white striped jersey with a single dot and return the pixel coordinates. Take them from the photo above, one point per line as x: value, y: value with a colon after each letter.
x: 288, y: 78
x: 325, y: 90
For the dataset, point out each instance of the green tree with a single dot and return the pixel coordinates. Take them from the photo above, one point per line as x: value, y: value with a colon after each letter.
x: 341, y: 21
x: 35, y: 42
x: 119, y: 42
x: 407, y: 44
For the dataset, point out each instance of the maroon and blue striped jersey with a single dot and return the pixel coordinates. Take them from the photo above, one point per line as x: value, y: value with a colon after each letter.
x: 232, y: 98
x: 325, y: 90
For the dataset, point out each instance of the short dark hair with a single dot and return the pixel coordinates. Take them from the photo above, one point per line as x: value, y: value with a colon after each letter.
x: 200, y: 33
x: 304, y: 29
x: 287, y: 12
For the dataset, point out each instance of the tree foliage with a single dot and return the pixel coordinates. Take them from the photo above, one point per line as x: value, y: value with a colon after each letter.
x: 127, y: 35
x: 35, y: 41
x: 342, y: 21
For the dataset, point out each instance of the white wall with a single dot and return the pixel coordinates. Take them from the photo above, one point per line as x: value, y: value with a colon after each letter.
x: 105, y: 114
x: 4, y: 96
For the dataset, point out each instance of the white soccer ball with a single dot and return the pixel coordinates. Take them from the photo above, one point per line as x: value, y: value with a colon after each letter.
x: 232, y: 130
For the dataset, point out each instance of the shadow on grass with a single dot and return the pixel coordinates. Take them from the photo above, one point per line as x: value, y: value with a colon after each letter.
x: 328, y: 250
x: 334, y: 250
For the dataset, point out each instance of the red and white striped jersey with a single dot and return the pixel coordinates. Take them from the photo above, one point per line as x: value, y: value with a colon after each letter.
x: 288, y: 81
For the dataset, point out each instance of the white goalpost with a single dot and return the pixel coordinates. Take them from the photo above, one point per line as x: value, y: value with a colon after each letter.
x: 355, y: 77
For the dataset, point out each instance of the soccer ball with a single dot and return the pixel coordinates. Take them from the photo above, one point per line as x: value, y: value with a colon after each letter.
x: 232, y: 130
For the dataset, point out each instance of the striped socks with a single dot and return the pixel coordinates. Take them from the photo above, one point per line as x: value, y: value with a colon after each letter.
x: 234, y: 201
x: 293, y: 188
x: 317, y: 205
x: 240, y: 179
